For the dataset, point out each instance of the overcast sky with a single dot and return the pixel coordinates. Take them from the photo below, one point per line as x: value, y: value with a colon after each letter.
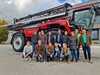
x: 18, y: 8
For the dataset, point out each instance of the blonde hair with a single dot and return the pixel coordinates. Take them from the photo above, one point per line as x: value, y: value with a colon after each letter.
x: 65, y: 49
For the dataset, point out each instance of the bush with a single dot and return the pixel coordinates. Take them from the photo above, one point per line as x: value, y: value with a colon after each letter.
x: 3, y: 34
x: 3, y: 31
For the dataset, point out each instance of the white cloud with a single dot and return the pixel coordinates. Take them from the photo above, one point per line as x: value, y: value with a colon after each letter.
x: 22, y: 4
x: 20, y: 8
x: 33, y: 6
x: 9, y: 1
x: 36, y: 5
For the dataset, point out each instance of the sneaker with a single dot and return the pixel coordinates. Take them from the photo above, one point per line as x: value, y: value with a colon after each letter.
x: 90, y: 62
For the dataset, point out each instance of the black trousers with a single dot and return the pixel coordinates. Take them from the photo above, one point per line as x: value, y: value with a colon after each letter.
x: 87, y: 52
x: 65, y: 58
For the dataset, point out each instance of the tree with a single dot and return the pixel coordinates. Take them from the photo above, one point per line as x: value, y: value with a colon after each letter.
x: 3, y: 31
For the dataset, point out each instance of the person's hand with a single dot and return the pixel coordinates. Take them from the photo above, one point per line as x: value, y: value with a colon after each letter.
x: 76, y: 46
x: 23, y: 55
x: 59, y: 45
x: 88, y: 44
x: 68, y: 48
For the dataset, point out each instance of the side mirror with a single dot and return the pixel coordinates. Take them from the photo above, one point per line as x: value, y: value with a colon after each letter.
x: 66, y: 6
x: 97, y: 9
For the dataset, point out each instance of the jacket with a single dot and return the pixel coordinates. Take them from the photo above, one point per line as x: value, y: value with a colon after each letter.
x: 84, y: 39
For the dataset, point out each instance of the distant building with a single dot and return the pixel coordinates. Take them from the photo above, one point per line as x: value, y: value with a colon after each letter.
x: 96, y: 28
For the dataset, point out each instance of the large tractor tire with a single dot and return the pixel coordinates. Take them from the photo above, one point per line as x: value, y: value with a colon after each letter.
x: 18, y: 42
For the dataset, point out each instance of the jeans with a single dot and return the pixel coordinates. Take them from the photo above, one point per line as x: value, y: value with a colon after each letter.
x: 78, y: 53
x: 33, y: 53
x: 45, y: 55
x: 87, y: 52
x: 73, y: 54
x: 57, y: 55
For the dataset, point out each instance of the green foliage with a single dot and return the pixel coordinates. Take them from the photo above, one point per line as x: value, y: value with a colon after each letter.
x: 3, y: 31
x: 3, y: 34
x: 3, y: 22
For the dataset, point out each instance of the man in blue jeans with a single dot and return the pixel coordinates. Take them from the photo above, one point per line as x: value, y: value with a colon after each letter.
x: 73, y: 46
x: 78, y: 41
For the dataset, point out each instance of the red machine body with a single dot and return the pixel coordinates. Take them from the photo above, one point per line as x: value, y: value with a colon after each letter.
x: 61, y: 22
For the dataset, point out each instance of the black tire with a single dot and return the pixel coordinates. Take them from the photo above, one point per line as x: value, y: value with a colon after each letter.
x: 18, y: 42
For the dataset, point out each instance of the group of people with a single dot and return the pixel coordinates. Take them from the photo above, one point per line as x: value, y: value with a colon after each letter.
x: 58, y: 46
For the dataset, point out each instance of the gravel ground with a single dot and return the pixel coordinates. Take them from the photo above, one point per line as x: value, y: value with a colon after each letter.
x: 11, y: 63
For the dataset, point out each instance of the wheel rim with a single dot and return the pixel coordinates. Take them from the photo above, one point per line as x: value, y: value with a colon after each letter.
x: 17, y: 42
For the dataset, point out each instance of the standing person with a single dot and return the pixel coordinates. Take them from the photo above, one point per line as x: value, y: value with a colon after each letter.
x: 43, y: 39
x: 73, y: 46
x: 59, y: 39
x: 65, y: 46
x: 86, y: 42
x: 89, y: 42
x: 34, y: 42
x: 65, y: 37
x: 27, y: 52
x: 78, y: 42
x: 50, y: 38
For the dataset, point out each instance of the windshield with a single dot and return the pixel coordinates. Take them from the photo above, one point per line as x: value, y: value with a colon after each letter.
x: 84, y: 18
